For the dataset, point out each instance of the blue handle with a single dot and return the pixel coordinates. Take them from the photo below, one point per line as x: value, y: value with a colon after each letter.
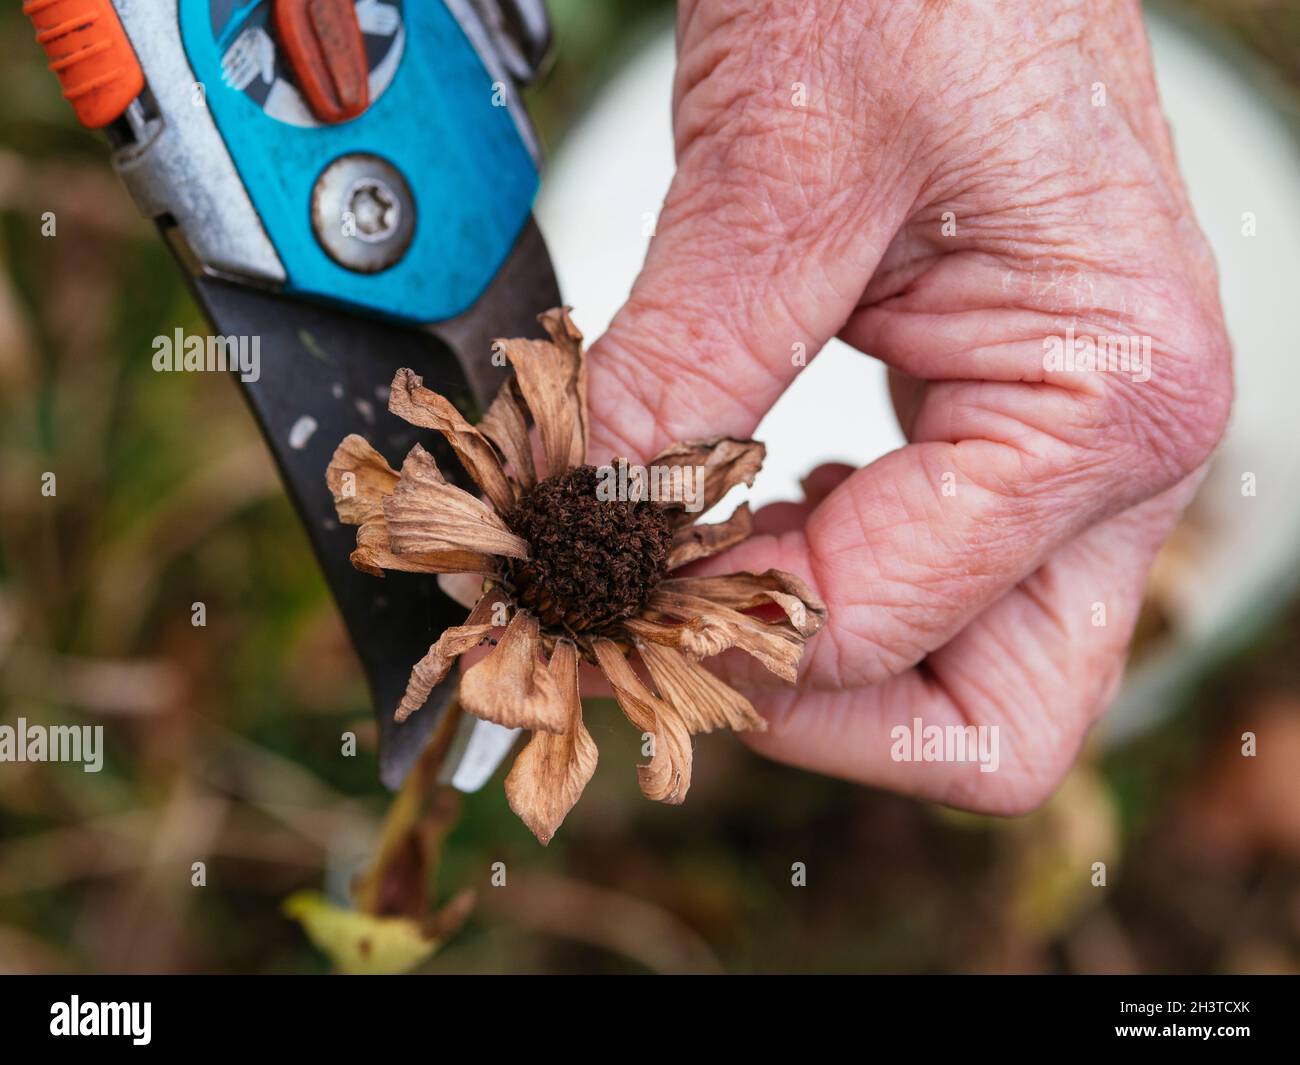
x: 470, y: 173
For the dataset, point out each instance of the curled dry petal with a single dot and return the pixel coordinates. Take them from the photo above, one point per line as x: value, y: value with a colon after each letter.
x: 427, y: 513
x: 435, y: 665
x: 694, y: 542
x: 667, y: 776
x: 552, y: 375
x: 567, y: 337
x: 359, y: 477
x: 372, y: 555
x: 559, y: 326
x: 511, y: 686
x: 702, y: 700
x: 551, y: 772
x: 726, y: 463
x: 699, y: 637
x: 506, y: 425
x: 409, y: 399
x: 777, y: 646
x: 744, y: 591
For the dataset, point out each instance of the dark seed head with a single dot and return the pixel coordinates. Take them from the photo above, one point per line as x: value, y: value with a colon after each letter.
x: 593, y: 561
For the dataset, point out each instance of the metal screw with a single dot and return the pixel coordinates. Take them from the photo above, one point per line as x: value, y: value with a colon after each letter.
x: 362, y: 212
x: 376, y: 210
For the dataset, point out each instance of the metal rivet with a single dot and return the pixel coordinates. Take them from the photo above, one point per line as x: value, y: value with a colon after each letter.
x: 362, y: 212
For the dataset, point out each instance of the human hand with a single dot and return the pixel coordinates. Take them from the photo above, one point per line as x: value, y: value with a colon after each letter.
x: 946, y: 187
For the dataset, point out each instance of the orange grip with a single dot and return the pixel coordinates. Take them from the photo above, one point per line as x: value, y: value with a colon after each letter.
x: 91, y: 55
x: 323, y: 43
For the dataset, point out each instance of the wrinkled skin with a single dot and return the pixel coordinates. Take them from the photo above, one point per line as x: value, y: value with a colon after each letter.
x: 788, y: 224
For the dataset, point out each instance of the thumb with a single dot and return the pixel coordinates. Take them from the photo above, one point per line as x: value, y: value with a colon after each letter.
x: 746, y: 278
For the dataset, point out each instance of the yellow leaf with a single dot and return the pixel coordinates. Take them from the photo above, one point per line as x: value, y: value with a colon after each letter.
x: 357, y: 943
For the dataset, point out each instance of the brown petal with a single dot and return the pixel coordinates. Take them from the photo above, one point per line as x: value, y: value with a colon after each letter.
x: 726, y: 463
x: 667, y: 776
x: 435, y: 665
x: 409, y: 399
x: 426, y: 513
x: 506, y: 425
x: 550, y: 774
x: 372, y: 555
x: 744, y: 591
x: 560, y: 328
x: 552, y: 376
x: 694, y: 542
x: 703, y: 701
x: 716, y: 628
x: 359, y: 477
x: 698, y: 637
x: 360, y: 480
x: 511, y: 686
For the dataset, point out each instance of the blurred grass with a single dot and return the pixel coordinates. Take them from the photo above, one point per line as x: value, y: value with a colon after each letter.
x: 223, y: 742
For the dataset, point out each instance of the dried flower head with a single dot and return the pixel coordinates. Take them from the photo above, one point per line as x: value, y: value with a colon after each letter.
x: 574, y: 573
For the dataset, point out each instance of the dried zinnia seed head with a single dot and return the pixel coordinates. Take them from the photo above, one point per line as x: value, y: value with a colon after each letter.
x: 562, y: 574
x: 592, y: 561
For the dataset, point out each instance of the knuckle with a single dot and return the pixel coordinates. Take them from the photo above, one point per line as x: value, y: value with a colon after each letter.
x: 1177, y: 417
x: 1038, y: 746
x: 1020, y: 787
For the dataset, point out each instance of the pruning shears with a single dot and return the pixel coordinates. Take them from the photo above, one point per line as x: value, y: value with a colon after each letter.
x: 351, y: 182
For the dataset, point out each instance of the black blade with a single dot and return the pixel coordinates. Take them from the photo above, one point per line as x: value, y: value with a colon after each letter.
x: 330, y: 367
x: 333, y: 367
